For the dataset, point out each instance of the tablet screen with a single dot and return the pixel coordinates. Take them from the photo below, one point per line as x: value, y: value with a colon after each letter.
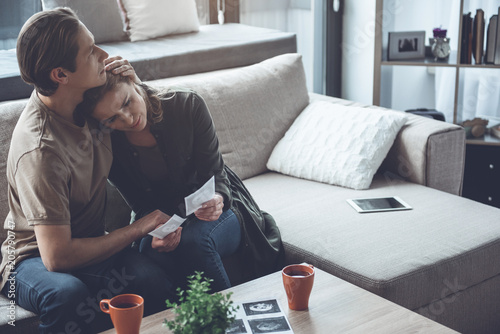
x: 378, y: 204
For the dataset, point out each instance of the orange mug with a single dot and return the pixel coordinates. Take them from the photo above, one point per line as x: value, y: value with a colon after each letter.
x: 298, y: 281
x: 126, y: 312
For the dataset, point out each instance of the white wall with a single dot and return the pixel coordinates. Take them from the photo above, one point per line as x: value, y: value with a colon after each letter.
x: 301, y: 22
x: 358, y: 50
x: 414, y: 87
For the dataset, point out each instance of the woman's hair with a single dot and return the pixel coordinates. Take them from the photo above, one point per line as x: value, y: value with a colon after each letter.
x: 92, y: 96
x: 48, y: 40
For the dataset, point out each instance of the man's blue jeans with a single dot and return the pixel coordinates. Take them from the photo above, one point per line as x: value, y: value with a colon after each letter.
x: 203, y: 245
x: 69, y: 302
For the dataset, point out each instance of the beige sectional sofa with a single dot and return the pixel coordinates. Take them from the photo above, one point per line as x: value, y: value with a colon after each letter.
x: 439, y: 259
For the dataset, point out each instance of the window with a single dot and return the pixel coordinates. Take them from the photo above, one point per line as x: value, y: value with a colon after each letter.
x: 13, y: 14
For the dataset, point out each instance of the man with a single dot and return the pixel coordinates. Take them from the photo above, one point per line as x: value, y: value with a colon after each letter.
x: 61, y: 261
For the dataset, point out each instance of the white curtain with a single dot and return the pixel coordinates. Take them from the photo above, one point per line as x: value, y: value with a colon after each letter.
x: 265, y: 13
x: 202, y: 6
x: 479, y: 93
x: 284, y: 15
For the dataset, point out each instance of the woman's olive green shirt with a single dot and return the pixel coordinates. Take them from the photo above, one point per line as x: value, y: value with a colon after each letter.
x: 189, y: 145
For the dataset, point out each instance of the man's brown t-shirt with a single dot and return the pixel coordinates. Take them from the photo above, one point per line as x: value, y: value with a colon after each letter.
x: 57, y: 174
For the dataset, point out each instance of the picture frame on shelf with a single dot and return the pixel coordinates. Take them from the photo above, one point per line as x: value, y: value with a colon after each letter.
x: 406, y: 45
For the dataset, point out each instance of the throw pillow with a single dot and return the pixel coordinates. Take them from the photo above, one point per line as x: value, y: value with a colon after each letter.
x: 101, y: 17
x: 337, y: 144
x: 155, y: 18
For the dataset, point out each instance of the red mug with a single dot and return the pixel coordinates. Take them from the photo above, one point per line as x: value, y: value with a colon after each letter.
x: 298, y: 281
x: 126, y: 312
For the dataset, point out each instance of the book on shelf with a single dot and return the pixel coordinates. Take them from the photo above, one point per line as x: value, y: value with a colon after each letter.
x: 489, y: 57
x: 466, y: 47
x: 478, y: 36
x: 497, y: 43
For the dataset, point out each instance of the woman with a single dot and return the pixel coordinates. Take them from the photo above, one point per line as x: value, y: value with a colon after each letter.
x: 166, y: 148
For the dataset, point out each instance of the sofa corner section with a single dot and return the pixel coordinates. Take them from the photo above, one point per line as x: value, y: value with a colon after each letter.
x: 446, y: 161
x: 428, y: 152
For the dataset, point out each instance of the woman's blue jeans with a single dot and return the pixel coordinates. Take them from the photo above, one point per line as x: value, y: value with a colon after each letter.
x: 69, y: 302
x: 202, y: 246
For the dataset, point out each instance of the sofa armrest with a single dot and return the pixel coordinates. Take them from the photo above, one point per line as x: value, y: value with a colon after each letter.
x: 426, y: 151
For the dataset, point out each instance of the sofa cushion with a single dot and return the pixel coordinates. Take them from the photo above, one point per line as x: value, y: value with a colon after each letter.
x: 9, y: 114
x: 24, y: 321
x: 147, y: 19
x: 426, y: 151
x: 335, y: 144
x: 13, y: 87
x: 101, y: 17
x: 444, y: 245
x: 252, y: 107
x: 214, y: 47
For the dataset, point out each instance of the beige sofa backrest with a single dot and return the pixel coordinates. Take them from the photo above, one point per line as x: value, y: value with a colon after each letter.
x: 252, y: 107
x: 9, y: 113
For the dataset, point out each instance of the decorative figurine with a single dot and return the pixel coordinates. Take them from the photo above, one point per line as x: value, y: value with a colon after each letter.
x: 440, y: 44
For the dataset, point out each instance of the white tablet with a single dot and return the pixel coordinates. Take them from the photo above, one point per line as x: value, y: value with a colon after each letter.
x: 379, y: 204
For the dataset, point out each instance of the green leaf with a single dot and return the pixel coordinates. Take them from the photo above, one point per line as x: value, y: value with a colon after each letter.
x: 199, y: 311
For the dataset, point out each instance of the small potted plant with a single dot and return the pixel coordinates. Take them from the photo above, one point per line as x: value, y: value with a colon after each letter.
x: 199, y: 311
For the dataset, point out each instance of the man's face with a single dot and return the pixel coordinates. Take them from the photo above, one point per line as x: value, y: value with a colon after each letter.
x: 90, y: 70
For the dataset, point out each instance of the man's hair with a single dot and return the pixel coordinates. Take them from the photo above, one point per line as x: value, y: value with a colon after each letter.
x: 47, y: 40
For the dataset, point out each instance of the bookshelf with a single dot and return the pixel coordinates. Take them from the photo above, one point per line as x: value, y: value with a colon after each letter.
x: 392, y: 77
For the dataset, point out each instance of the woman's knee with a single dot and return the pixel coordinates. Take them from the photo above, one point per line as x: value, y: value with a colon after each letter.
x: 221, y: 236
x: 196, y: 236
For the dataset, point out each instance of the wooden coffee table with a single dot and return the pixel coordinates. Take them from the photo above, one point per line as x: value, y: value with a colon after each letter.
x: 334, y: 306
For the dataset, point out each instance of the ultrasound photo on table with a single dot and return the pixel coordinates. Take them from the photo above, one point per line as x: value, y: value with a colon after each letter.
x: 260, y: 316
x: 269, y: 325
x: 261, y: 307
x: 237, y: 327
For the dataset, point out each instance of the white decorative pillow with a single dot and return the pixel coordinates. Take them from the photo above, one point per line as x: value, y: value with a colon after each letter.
x: 154, y: 18
x: 337, y: 144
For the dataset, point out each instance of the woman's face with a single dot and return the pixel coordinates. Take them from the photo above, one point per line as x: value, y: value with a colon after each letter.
x: 122, y: 109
